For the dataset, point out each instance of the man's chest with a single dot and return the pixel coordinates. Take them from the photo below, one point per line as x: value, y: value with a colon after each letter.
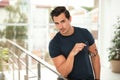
x: 67, y: 44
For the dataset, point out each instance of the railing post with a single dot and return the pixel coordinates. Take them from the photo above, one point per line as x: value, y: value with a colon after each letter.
x: 19, y: 67
x: 26, y: 76
x: 13, y: 70
x: 39, y: 71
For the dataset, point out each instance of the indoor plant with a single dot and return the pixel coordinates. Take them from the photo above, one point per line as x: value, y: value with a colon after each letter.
x: 114, y: 54
x: 3, y: 61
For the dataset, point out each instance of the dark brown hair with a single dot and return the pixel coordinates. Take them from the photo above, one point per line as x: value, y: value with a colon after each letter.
x: 58, y: 10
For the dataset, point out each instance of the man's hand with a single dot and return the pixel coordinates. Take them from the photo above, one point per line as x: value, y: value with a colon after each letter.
x: 77, y: 48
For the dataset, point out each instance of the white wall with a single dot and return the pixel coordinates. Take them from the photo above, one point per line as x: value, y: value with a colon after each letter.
x: 3, y: 16
x: 38, y: 30
x: 108, y: 11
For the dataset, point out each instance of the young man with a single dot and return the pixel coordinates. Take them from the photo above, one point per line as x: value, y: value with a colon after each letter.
x: 71, y: 47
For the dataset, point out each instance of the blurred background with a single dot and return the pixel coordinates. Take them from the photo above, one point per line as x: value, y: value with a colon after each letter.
x: 28, y: 24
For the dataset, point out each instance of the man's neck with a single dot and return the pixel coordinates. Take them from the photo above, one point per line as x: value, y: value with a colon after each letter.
x: 71, y: 31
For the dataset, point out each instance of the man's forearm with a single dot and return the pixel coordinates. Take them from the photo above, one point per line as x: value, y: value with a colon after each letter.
x: 96, y: 66
x: 66, y: 67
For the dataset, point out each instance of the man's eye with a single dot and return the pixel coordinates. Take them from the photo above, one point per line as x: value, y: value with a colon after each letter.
x: 63, y: 21
x: 56, y: 23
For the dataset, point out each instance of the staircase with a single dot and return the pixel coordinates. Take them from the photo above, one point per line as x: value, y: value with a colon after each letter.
x: 23, y: 65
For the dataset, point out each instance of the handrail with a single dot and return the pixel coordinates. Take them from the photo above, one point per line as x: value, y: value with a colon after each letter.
x: 44, y: 63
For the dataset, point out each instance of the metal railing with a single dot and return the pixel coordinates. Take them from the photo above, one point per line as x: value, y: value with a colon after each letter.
x: 20, y: 61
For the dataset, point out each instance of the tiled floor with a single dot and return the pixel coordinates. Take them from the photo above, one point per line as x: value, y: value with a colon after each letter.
x: 107, y: 74
x: 46, y: 74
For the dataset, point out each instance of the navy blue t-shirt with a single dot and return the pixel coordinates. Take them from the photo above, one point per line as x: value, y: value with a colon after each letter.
x: 62, y: 45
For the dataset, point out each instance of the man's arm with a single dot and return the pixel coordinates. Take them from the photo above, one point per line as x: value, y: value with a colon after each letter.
x: 95, y: 59
x: 65, y: 66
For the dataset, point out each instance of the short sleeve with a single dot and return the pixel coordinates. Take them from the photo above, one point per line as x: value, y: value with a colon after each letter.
x: 89, y: 37
x: 54, y: 49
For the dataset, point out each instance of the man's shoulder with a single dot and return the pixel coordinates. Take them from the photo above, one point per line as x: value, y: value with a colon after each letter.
x: 80, y: 29
x: 55, y: 38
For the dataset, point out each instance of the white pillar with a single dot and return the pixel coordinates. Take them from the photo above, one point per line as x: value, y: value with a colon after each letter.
x: 108, y: 12
x: 104, y: 30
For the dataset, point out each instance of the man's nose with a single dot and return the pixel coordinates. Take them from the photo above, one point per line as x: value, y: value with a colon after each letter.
x: 60, y: 25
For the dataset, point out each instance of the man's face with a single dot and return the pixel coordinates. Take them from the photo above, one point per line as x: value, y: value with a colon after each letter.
x: 62, y: 23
